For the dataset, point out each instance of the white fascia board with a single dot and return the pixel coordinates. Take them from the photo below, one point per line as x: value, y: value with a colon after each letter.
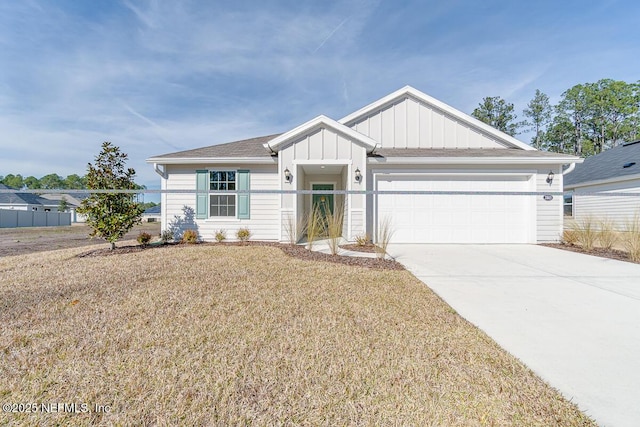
x: 317, y: 123
x: 217, y: 160
x: 603, y: 181
x: 468, y: 161
x: 423, y: 97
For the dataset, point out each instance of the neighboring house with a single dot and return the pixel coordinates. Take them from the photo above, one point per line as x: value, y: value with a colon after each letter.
x: 406, y: 141
x: 616, y: 174
x: 73, y: 202
x: 25, y: 201
x: 152, y: 214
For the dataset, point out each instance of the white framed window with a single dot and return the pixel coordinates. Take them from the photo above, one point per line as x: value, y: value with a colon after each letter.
x: 221, y: 204
x: 568, y: 205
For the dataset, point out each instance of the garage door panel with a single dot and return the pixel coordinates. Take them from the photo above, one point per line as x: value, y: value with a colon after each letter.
x: 457, y: 218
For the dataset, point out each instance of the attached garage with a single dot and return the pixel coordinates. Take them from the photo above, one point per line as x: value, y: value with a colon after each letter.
x: 450, y: 217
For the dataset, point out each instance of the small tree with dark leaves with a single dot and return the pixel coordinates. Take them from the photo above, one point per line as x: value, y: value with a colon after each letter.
x: 111, y: 215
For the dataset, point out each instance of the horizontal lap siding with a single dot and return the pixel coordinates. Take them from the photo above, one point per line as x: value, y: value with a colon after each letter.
x: 619, y: 209
x: 549, y: 213
x: 264, y: 208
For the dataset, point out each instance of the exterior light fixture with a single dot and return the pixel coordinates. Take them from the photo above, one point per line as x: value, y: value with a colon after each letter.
x: 287, y: 175
x: 550, y: 177
x: 358, y: 175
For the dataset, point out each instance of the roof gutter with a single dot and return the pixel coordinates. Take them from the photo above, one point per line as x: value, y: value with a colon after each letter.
x: 206, y: 160
x: 466, y: 160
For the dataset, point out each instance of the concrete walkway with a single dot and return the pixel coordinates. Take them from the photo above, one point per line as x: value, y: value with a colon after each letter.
x: 573, y: 319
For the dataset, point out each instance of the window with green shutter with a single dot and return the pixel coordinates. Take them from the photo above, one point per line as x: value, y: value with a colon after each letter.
x: 216, y: 197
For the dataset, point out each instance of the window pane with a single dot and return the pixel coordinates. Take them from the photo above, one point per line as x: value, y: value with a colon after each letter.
x: 232, y: 210
x: 231, y: 176
x: 222, y: 186
x: 232, y: 185
x: 212, y: 176
x: 213, y: 186
x: 223, y: 211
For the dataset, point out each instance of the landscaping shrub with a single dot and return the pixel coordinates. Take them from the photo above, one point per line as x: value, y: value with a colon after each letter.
x: 221, y: 235
x: 143, y: 238
x: 190, y: 236
x: 243, y: 234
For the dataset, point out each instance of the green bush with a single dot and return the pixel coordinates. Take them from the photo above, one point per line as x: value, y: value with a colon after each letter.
x: 143, y: 238
x: 190, y: 236
x: 221, y: 235
x: 243, y: 234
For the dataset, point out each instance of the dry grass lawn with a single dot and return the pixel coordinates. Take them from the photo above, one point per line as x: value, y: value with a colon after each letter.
x: 206, y: 335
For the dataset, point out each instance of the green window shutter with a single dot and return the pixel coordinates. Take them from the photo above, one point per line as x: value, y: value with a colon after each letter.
x: 243, y: 199
x: 202, y: 179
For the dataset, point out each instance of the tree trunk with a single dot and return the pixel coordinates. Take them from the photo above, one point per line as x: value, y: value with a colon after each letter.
x: 113, y: 245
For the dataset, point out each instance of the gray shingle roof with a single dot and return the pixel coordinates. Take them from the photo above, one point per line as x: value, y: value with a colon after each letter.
x: 23, y: 198
x: 246, y: 148
x: 606, y: 165
x: 464, y: 152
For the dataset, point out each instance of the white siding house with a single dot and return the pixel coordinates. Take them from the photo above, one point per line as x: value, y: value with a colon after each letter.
x: 606, y: 186
x: 437, y: 174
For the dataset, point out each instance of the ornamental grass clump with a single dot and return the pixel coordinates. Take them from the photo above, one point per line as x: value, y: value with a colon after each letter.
x: 315, y: 226
x: 607, y: 235
x: 334, y: 221
x: 631, y: 239
x: 385, y: 232
x: 587, y: 233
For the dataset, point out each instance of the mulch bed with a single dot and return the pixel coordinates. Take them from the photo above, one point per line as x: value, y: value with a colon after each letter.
x: 601, y: 252
x: 295, y: 251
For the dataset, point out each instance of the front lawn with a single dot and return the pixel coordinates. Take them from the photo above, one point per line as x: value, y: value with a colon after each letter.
x: 228, y: 335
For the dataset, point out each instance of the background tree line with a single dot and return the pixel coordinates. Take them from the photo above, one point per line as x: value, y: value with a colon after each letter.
x: 588, y: 119
x: 48, y: 182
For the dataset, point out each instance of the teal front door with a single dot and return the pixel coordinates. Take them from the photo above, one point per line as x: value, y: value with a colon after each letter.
x: 322, y: 202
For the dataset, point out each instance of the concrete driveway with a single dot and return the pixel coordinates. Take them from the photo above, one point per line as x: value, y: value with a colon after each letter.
x: 573, y: 319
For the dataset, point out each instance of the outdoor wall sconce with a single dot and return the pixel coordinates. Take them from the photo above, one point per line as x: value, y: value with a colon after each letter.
x: 550, y: 177
x: 358, y: 175
x: 287, y: 175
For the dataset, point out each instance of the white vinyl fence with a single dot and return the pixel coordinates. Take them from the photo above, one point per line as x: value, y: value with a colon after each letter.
x: 10, y: 218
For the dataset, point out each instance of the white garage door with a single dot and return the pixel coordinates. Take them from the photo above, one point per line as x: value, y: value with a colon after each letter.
x: 458, y: 218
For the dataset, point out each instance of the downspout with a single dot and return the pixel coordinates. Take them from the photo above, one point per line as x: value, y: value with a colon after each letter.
x: 160, y: 170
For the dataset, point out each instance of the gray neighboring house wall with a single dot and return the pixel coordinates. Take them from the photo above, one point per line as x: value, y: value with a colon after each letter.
x: 615, y: 172
x: 29, y: 210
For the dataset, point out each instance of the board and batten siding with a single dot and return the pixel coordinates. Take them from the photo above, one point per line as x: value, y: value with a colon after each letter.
x: 618, y: 209
x: 264, y: 208
x: 409, y: 123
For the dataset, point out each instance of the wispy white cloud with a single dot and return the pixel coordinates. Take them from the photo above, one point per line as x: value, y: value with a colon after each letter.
x: 154, y: 76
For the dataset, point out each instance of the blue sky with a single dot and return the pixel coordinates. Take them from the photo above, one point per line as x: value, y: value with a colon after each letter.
x: 160, y: 76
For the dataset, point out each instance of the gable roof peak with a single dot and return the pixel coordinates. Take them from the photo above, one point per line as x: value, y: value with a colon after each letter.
x: 409, y: 91
x: 320, y: 122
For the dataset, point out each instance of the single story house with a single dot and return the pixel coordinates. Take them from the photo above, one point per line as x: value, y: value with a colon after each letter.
x: 25, y: 201
x: 73, y: 202
x: 615, y: 175
x: 476, y: 181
